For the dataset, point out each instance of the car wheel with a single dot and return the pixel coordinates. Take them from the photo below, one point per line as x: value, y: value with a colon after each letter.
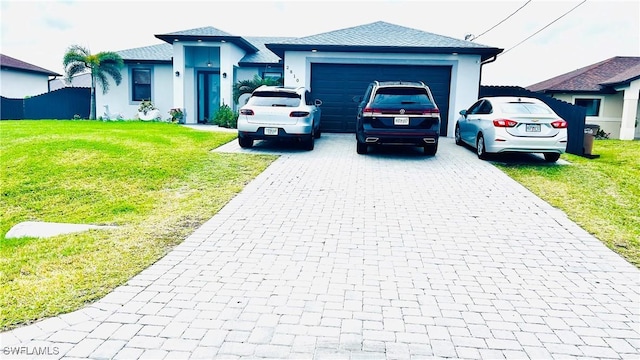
x: 430, y: 149
x: 362, y: 148
x: 480, y: 149
x: 309, y: 142
x: 551, y: 157
x: 457, y: 136
x: 318, y: 133
x: 245, y: 142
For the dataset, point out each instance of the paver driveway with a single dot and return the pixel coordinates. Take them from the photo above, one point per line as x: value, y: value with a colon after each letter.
x: 329, y: 254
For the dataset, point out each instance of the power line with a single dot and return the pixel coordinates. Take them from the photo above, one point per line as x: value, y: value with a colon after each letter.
x: 546, y: 26
x: 503, y: 20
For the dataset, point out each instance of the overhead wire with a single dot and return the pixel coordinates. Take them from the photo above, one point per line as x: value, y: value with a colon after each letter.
x: 503, y: 20
x: 546, y: 26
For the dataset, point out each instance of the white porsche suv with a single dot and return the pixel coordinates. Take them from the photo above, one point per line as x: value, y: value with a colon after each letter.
x: 278, y: 112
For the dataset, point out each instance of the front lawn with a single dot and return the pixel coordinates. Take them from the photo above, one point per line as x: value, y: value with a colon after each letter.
x: 157, y: 181
x: 602, y: 195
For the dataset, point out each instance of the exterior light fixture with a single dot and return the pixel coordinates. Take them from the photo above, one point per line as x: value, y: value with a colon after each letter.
x: 177, y: 73
x: 224, y: 75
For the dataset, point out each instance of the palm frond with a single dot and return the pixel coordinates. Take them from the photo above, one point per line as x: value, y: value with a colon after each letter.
x: 101, y: 79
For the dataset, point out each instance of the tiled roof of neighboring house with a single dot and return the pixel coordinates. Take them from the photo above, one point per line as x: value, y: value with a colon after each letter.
x: 596, y: 77
x: 263, y: 55
x: 383, y: 36
x: 13, y: 63
x: 208, y: 33
x: 160, y: 52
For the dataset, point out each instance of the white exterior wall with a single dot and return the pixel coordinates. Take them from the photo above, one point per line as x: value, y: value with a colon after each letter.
x: 610, y: 116
x: 465, y: 72
x: 119, y: 96
x: 18, y: 84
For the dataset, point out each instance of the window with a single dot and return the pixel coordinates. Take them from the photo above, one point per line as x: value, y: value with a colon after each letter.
x: 592, y: 106
x: 140, y: 84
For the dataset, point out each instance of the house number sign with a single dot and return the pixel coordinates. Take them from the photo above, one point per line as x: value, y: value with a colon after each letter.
x: 294, y: 75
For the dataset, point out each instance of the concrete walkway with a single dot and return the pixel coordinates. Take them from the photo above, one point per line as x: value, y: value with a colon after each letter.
x: 393, y: 255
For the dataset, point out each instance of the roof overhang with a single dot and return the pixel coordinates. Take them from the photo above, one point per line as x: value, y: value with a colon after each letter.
x: 14, y: 68
x: 485, y: 53
x: 147, y: 62
x: 236, y: 40
x: 261, y: 64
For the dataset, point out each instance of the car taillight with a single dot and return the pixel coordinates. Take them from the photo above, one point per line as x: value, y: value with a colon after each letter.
x: 431, y: 112
x: 246, y: 112
x: 371, y: 111
x: 559, y: 124
x: 299, y: 114
x: 504, y: 123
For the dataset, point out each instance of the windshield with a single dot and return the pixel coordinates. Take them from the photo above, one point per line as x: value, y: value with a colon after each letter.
x: 525, y: 108
x: 401, y: 96
x: 274, y: 98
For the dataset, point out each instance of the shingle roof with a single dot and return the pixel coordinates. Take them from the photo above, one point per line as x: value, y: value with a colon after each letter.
x: 160, y: 52
x: 594, y: 77
x: 208, y: 33
x: 13, y: 63
x: 263, y: 55
x: 382, y: 36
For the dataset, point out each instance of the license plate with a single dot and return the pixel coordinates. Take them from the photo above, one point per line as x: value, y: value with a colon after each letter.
x: 533, y: 127
x: 271, y: 131
x: 401, y: 121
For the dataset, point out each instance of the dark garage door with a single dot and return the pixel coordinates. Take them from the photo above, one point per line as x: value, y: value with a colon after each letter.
x: 337, y: 84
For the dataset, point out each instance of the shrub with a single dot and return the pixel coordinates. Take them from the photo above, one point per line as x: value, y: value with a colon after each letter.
x: 225, y: 117
x: 146, y: 106
x: 601, y: 135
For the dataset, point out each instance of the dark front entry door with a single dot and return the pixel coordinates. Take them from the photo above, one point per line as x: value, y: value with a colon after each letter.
x: 208, y: 95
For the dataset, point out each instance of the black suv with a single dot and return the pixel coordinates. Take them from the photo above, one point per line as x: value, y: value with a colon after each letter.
x: 398, y: 112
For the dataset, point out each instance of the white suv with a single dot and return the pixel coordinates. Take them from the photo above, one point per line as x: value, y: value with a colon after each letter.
x: 277, y: 112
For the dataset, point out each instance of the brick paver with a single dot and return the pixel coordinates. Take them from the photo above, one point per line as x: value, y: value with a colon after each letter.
x: 329, y: 254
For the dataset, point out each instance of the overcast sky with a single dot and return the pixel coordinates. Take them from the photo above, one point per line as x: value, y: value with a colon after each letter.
x: 39, y: 32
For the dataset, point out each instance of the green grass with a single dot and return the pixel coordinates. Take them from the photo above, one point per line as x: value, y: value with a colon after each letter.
x: 158, y: 182
x: 602, y: 195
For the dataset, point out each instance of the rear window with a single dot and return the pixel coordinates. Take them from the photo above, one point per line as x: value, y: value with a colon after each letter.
x: 525, y: 108
x: 402, y: 96
x: 274, y: 98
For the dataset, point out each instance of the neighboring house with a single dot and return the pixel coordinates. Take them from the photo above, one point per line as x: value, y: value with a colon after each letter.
x: 195, y: 70
x: 608, y: 89
x: 80, y: 80
x: 19, y: 79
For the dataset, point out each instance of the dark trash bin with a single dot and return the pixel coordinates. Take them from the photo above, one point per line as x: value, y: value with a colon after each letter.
x: 590, y: 131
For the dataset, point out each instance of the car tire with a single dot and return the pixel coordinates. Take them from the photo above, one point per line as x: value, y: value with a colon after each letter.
x: 457, y: 135
x: 431, y: 150
x: 309, y: 142
x: 481, y: 151
x: 318, y: 133
x: 551, y: 157
x: 362, y: 148
x: 245, y: 142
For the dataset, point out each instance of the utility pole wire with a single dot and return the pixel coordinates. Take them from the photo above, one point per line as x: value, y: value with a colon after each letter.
x: 505, y: 19
x: 546, y: 26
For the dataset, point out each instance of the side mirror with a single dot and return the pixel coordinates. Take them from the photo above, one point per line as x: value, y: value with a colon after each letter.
x: 357, y: 99
x: 463, y: 112
x: 318, y: 102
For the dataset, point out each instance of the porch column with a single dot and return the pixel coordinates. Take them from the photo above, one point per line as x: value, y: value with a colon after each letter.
x: 630, y: 111
x: 179, y: 75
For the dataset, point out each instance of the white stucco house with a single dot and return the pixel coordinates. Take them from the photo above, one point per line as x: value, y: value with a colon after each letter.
x: 195, y: 70
x: 19, y: 79
x: 609, y: 90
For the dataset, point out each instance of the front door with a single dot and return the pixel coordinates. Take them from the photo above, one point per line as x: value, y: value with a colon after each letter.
x: 208, y: 95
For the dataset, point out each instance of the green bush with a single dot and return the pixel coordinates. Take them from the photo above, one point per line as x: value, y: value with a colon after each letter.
x: 225, y: 117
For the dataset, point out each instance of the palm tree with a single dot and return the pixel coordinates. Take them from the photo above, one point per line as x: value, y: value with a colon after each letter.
x: 247, y: 86
x: 79, y: 59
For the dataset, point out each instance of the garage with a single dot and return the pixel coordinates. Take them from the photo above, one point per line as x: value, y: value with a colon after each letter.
x: 337, y: 84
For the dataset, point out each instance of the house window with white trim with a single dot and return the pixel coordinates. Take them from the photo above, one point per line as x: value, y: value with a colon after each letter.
x: 140, y: 84
x: 591, y: 105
